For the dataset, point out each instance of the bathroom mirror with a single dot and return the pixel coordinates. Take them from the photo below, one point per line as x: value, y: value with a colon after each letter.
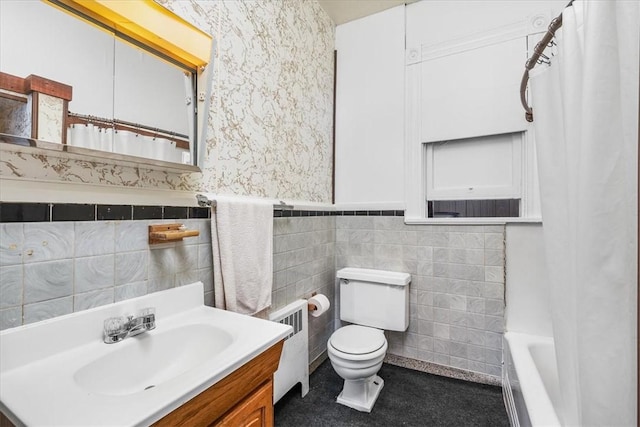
x: 125, y: 100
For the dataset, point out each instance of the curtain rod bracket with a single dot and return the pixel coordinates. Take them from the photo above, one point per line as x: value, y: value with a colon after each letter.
x: 547, y: 40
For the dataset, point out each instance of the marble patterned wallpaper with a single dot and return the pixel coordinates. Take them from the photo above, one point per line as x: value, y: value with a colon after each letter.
x: 270, y: 121
x: 50, y: 118
x: 15, y: 117
x: 49, y: 168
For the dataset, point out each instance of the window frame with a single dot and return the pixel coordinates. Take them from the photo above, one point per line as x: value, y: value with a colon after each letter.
x: 512, y: 190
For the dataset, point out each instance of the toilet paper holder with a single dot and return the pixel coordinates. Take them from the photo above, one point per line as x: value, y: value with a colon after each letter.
x: 312, y: 306
x: 318, y: 304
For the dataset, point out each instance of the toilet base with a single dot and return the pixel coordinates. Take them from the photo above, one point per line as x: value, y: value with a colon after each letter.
x: 361, y: 394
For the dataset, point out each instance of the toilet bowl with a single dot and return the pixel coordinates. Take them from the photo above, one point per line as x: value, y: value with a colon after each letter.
x: 372, y: 301
x: 356, y: 354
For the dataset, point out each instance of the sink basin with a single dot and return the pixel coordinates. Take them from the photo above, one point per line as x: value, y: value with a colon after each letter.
x: 60, y: 372
x: 148, y: 360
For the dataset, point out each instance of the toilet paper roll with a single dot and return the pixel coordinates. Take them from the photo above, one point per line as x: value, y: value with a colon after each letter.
x: 322, y: 304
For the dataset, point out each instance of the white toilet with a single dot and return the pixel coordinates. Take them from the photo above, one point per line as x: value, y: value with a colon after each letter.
x: 373, y: 300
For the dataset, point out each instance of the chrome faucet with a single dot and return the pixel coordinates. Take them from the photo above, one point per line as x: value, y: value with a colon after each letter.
x: 118, y: 328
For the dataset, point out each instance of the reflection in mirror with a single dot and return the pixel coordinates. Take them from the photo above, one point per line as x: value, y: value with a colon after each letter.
x: 149, y: 91
x: 124, y: 100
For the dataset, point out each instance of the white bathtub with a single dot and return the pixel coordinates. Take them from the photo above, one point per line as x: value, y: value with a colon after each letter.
x: 530, y: 380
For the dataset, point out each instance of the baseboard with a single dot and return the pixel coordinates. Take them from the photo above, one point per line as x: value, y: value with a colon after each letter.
x: 443, y: 371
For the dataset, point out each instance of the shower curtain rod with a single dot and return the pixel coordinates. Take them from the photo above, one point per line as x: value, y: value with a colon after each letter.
x: 115, y: 122
x: 538, y: 51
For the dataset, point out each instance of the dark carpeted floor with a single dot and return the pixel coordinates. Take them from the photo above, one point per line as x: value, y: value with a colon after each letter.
x: 409, y: 398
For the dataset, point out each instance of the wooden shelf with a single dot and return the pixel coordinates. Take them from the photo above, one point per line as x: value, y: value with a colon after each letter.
x: 163, y: 233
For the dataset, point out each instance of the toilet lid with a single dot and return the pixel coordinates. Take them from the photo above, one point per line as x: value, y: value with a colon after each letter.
x: 356, y: 339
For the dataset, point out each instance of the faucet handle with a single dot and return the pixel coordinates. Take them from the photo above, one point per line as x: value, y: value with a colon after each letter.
x: 148, y: 315
x: 147, y: 311
x: 114, y: 325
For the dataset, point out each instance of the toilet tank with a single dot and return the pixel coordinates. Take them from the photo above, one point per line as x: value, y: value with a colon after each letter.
x: 374, y: 298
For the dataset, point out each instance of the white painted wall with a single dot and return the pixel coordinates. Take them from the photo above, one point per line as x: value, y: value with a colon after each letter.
x: 32, y: 42
x: 471, y: 56
x: 464, y: 63
x: 370, y: 112
x: 527, y: 287
x: 441, y: 21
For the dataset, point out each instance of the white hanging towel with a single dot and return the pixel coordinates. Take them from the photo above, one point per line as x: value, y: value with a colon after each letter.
x: 242, y: 243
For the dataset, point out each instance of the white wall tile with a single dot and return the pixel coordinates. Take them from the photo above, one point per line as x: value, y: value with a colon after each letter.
x: 131, y: 267
x: 441, y: 346
x: 457, y: 302
x: 441, y: 331
x: 186, y: 277
x: 186, y: 258
x: 494, y: 257
x: 161, y: 262
x: 48, y: 241
x: 92, y: 273
x: 492, y: 274
x: 433, y: 239
x: 130, y: 290
x: 10, y: 317
x: 494, y: 323
x: 494, y: 241
x: 88, y: 281
x: 475, y: 366
x: 459, y: 362
x: 48, y: 280
x: 94, y: 238
x: 11, y: 243
x: 425, y: 343
x: 131, y: 236
x: 458, y: 349
x: 458, y: 318
x: 92, y: 299
x: 425, y: 268
x: 161, y: 283
x: 476, y: 337
x: 425, y: 312
x: 476, y: 353
x: 10, y: 286
x: 475, y: 305
x: 47, y: 309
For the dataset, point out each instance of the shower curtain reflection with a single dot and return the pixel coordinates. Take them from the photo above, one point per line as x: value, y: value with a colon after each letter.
x: 130, y: 143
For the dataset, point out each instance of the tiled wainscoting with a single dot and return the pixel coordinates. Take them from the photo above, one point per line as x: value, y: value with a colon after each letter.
x: 457, y: 289
x: 304, y: 262
x: 52, y: 268
x: 57, y: 259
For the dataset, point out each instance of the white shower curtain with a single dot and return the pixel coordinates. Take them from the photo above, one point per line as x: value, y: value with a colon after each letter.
x: 585, y: 109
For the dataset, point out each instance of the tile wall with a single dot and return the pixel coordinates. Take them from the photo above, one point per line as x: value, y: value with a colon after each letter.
x: 58, y: 259
x: 457, y: 289
x: 50, y: 268
x: 304, y: 262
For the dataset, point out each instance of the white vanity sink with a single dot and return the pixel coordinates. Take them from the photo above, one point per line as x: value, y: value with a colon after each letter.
x: 148, y: 360
x: 60, y: 372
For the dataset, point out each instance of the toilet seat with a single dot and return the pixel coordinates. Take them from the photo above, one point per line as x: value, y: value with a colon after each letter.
x: 366, y: 348
x: 357, y: 340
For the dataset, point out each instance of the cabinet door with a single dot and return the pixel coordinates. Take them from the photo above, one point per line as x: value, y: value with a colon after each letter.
x: 254, y: 411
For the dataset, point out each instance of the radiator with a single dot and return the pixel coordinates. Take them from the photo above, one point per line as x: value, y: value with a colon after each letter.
x: 294, y: 361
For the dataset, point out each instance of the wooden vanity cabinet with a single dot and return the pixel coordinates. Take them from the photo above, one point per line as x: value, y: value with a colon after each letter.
x: 242, y: 399
x: 254, y: 411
